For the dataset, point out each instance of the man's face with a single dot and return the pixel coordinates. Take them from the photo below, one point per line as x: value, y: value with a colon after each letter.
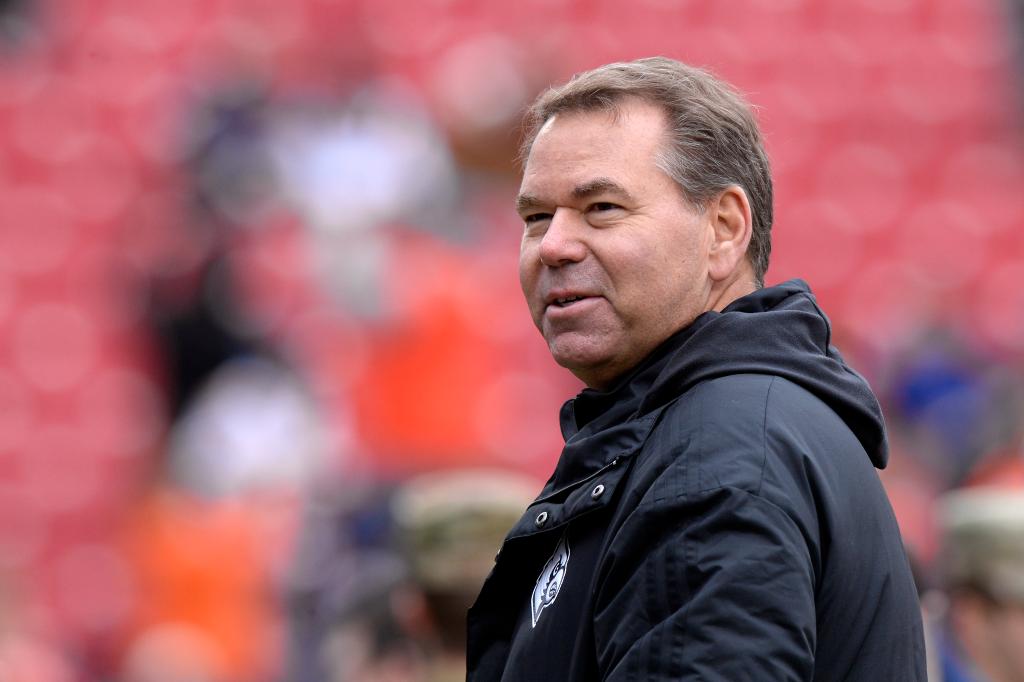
x: 613, y: 259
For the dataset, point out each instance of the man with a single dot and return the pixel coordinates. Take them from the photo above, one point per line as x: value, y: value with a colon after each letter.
x: 714, y: 514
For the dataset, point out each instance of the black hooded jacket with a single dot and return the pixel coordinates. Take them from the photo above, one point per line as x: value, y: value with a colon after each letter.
x: 715, y: 516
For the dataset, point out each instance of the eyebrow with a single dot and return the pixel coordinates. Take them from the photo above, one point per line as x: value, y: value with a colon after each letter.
x: 525, y: 202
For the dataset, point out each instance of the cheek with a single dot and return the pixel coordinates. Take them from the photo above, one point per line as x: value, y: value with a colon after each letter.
x: 529, y: 273
x: 664, y: 287
x: 527, y: 278
x: 526, y: 257
x: 652, y: 271
x: 683, y: 263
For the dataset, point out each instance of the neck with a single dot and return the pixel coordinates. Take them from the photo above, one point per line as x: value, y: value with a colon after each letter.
x: 725, y: 292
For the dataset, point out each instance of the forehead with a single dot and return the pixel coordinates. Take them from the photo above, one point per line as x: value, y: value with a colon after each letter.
x: 572, y: 147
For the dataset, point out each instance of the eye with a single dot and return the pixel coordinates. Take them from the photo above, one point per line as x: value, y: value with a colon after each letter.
x: 533, y: 218
x: 603, y: 206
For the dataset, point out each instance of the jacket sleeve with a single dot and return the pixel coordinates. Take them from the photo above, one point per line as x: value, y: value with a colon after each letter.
x: 713, y: 586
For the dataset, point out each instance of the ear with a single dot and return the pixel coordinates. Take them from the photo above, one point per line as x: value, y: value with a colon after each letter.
x: 732, y: 224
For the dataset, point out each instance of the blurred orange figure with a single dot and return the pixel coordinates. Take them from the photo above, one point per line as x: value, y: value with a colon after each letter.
x: 205, y: 607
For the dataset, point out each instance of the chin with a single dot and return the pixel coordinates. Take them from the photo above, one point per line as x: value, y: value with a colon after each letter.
x: 590, y: 368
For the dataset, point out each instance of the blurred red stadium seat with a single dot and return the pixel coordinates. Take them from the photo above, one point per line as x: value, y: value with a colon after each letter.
x: 54, y: 345
x: 989, y: 179
x: 998, y: 308
x: 884, y: 305
x: 100, y: 182
x: 943, y: 244
x: 55, y: 123
x: 816, y: 240
x: 37, y: 229
x: 18, y: 416
x: 868, y: 181
x: 929, y: 89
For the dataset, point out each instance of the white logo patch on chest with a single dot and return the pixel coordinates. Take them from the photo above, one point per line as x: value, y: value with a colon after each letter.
x: 550, y: 580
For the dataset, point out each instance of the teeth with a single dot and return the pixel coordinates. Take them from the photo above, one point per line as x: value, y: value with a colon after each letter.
x: 570, y: 299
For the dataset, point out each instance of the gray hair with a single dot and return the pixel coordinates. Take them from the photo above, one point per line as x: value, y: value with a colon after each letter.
x: 714, y: 139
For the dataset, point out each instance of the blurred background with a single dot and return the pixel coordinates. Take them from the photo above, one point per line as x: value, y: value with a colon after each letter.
x: 269, y: 397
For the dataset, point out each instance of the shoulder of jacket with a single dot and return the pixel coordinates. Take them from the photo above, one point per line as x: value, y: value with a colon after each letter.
x: 738, y: 400
x: 725, y: 432
x: 749, y: 399
x: 711, y: 436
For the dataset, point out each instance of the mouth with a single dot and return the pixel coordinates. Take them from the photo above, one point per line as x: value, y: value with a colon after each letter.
x: 566, y: 301
x: 561, y: 303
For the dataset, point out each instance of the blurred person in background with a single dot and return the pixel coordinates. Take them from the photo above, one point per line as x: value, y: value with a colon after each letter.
x: 715, y: 513
x: 371, y: 635
x: 384, y: 575
x: 983, y: 532
x: 353, y: 608
x: 207, y: 541
x: 451, y: 524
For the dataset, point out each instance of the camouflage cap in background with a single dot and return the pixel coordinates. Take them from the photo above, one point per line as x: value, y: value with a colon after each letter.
x: 983, y: 529
x: 452, y: 523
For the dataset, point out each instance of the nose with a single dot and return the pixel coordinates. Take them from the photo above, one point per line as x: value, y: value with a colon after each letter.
x: 563, y: 241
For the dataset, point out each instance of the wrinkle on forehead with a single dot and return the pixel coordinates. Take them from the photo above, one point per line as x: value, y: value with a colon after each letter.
x: 615, y: 113
x: 595, y: 151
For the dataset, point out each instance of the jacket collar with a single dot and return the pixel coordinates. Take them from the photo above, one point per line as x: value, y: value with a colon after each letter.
x: 777, y: 330
x: 597, y: 425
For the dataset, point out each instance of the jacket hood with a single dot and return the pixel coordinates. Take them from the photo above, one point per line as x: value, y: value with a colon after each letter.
x: 777, y: 330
